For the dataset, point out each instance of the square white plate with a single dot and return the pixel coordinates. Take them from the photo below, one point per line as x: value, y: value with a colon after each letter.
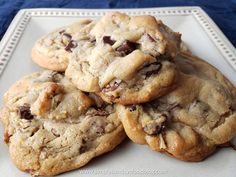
x: 201, y: 35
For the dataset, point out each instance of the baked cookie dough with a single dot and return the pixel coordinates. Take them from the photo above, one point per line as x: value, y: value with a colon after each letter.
x: 51, y: 127
x: 53, y: 50
x: 192, y: 120
x: 125, y: 59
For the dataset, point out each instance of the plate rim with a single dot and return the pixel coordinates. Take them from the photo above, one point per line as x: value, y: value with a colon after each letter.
x: 16, y: 29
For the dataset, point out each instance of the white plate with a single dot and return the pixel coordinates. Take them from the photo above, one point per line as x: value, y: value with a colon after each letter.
x: 201, y: 35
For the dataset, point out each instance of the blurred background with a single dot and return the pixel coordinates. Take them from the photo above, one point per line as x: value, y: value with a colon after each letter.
x: 223, y: 12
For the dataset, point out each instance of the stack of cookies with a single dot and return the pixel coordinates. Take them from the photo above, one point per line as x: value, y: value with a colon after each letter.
x: 109, y: 78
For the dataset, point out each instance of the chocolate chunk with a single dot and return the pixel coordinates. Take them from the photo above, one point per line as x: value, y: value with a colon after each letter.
x: 82, y: 149
x: 113, y: 98
x: 83, y: 141
x: 93, y: 41
x: 165, y: 57
x: 154, y: 129
x: 25, y: 112
x: 132, y: 108
x: 101, y: 112
x: 54, y: 132
x: 150, y: 69
x: 108, y: 40
x: 56, y: 76
x: 72, y: 44
x: 162, y: 106
x: 67, y: 35
x: 151, y: 38
x: 87, y: 93
x: 100, y: 130
x: 154, y: 68
x: 98, y: 112
x: 112, y: 86
x: 34, y: 131
x: 126, y: 48
x: 61, y: 32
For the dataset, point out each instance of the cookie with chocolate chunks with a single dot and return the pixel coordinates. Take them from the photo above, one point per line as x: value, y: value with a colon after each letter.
x: 192, y: 120
x: 52, y: 127
x: 130, y: 60
x: 53, y: 50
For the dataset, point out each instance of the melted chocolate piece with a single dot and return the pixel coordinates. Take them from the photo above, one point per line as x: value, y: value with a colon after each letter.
x: 126, y: 47
x: 54, y: 132
x: 98, y: 112
x: 82, y: 149
x: 72, y: 44
x: 164, y: 57
x: 108, y: 40
x: 154, y: 129
x: 101, y: 112
x: 151, y: 38
x: 132, y: 108
x: 24, y: 112
x: 100, y: 131
x: 93, y: 41
x: 113, y: 98
x: 61, y: 32
x: 161, y: 106
x: 112, y: 87
x: 155, y: 71
x: 67, y: 35
x: 56, y: 76
x: 83, y: 141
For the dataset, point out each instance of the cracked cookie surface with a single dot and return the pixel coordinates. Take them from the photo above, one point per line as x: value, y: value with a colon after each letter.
x: 125, y: 59
x: 192, y: 120
x: 53, y: 50
x: 51, y: 127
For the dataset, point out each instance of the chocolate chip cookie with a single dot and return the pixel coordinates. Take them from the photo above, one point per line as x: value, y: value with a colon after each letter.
x: 192, y: 120
x: 53, y: 50
x: 125, y: 59
x: 51, y: 127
